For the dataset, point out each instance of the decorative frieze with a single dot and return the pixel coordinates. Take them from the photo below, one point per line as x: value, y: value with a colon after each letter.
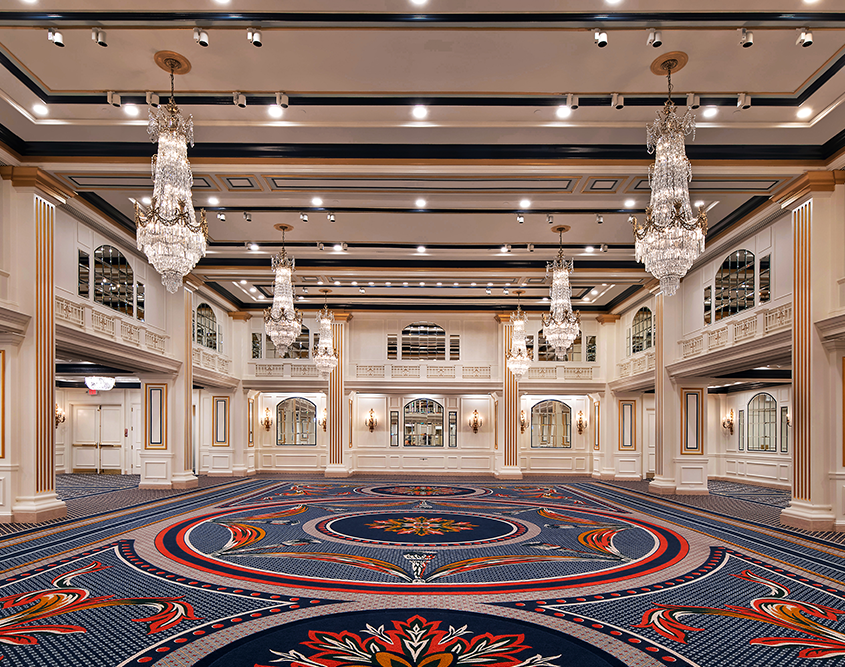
x: 405, y: 371
x: 745, y: 329
x: 269, y: 370
x: 476, y: 372
x: 692, y: 346
x: 779, y: 318
x: 440, y: 371
x: 718, y: 338
x: 102, y: 323
x: 369, y: 371
x: 130, y: 333
x: 155, y: 342
x: 578, y: 373
x: 309, y: 371
x: 70, y: 312
x: 542, y: 373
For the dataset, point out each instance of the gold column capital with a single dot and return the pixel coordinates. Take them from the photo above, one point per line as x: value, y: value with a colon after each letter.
x: 808, y: 183
x: 502, y: 319
x: 342, y: 317
x: 34, y: 177
x: 241, y: 316
x: 608, y: 318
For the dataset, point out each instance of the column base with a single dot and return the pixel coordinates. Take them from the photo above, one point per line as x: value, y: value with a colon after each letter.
x: 806, y: 516
x: 662, y: 486
x: 242, y: 472
x: 185, y: 480
x: 337, y: 472
x: 43, y: 507
x: 509, y: 473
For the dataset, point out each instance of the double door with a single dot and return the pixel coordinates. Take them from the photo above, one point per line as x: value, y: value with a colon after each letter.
x: 98, y: 438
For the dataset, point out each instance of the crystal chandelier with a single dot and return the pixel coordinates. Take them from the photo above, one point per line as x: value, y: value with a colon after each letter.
x: 99, y: 383
x: 168, y: 230
x: 325, y: 358
x: 281, y: 321
x: 671, y: 238
x: 518, y: 359
x: 561, y: 326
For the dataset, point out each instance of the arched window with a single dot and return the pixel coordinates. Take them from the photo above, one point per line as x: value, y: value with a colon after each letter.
x: 641, y: 331
x: 296, y: 422
x: 114, y: 280
x: 551, y: 424
x: 423, y: 423
x: 734, y: 288
x: 424, y: 340
x: 762, y: 423
x: 206, y: 324
x: 300, y: 348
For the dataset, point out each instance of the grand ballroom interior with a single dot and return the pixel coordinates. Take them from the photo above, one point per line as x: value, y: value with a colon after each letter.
x: 300, y: 297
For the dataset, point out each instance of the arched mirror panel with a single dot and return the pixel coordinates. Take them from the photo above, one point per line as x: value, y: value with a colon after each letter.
x: 296, y: 422
x: 114, y: 280
x: 423, y: 423
x: 762, y: 423
x: 206, y: 326
x: 424, y: 340
x: 641, y: 331
x: 551, y: 425
x: 734, y: 286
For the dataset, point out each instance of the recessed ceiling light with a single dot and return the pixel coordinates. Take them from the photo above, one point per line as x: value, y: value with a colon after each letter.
x: 419, y: 2
x: 710, y: 112
x: 222, y: 2
x: 524, y: 203
x: 404, y: 284
x: 440, y: 284
x: 275, y: 111
x: 594, y: 292
x: 213, y: 201
x: 319, y: 282
x: 243, y: 282
x: 613, y: 2
x: 545, y: 298
x: 586, y: 299
x: 146, y: 201
x: 804, y: 112
x: 253, y: 290
x: 338, y: 247
x: 337, y: 282
x: 420, y: 203
x: 455, y: 284
x: 388, y: 284
x: 504, y: 248
x: 253, y: 246
x: 589, y: 248
x: 131, y: 110
x: 419, y: 112
x: 316, y: 201
x: 301, y: 298
x: 371, y: 283
x: 489, y: 284
x: 472, y: 284
x: 630, y: 203
x: 563, y: 111
x: 420, y: 248
x: 40, y: 109
x: 355, y: 282
x: 422, y: 284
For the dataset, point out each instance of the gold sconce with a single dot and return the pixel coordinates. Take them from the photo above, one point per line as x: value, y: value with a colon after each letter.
x: 788, y: 419
x: 580, y: 423
x: 267, y: 421
x: 60, y: 415
x: 523, y: 421
x: 728, y: 422
x: 475, y: 422
x: 371, y: 421
x: 324, y: 419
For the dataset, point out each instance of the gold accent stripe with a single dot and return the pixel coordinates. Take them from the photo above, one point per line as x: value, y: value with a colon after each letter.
x: 510, y: 392
x: 188, y: 448
x: 659, y: 400
x: 45, y: 334
x: 801, y: 335
x: 335, y: 415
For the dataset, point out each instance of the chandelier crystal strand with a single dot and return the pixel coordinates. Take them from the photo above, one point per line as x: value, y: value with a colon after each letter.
x: 518, y: 359
x: 671, y: 238
x: 281, y: 321
x: 561, y: 326
x: 168, y: 230
x: 325, y: 357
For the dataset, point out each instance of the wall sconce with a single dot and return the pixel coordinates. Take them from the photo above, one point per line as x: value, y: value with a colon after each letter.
x: 60, y: 415
x: 267, y: 421
x: 371, y: 421
x: 728, y: 422
x: 788, y: 419
x: 324, y: 419
x: 580, y: 423
x: 523, y: 421
x: 475, y: 422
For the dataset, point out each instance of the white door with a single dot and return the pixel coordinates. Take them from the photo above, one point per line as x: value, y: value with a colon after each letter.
x: 111, y: 438
x: 136, y: 439
x: 97, y: 438
x: 649, y: 440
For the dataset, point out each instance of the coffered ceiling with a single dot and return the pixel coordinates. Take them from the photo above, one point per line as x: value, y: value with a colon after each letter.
x: 492, y: 75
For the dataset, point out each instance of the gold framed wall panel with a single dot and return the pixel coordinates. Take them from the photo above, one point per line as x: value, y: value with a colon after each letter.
x: 220, y: 421
x: 692, y: 435
x: 597, y: 426
x: 155, y: 416
x: 627, y: 426
x: 250, y: 428
x: 2, y: 404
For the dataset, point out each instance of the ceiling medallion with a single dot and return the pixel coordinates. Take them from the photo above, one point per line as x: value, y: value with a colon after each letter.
x: 325, y: 357
x: 281, y: 321
x: 671, y: 238
x: 168, y: 230
x: 518, y: 358
x: 561, y: 326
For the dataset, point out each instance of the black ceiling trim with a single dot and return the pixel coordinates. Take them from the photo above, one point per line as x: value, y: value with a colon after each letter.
x: 418, y: 262
x: 624, y: 296
x: 444, y: 211
x: 733, y: 218
x: 717, y: 19
x: 108, y: 210
x: 411, y: 246
x: 746, y: 386
x: 759, y: 374
x: 88, y: 369
x: 67, y: 384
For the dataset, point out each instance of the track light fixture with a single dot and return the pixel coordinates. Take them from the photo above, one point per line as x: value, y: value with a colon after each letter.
x: 520, y: 218
x: 56, y: 37
x: 805, y: 37
x: 743, y: 101
x: 253, y: 35
x: 282, y: 100
x: 746, y: 38
x: 530, y: 247
x: 303, y: 217
x: 603, y: 247
x: 572, y: 101
x: 617, y: 101
x: 330, y: 217
x: 152, y: 99
x: 599, y: 218
x: 239, y: 99
x: 201, y: 37
x: 550, y: 218
x: 247, y: 217
x: 601, y: 38
x: 655, y: 38
x: 320, y: 246
x: 693, y: 102
x: 113, y: 98
x: 221, y: 216
x: 343, y: 247
x: 489, y: 291
x: 99, y: 36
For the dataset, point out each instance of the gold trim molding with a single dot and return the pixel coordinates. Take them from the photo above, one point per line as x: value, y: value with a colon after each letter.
x: 34, y: 177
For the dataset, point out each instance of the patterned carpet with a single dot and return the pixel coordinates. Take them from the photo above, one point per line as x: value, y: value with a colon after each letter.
x: 386, y: 573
